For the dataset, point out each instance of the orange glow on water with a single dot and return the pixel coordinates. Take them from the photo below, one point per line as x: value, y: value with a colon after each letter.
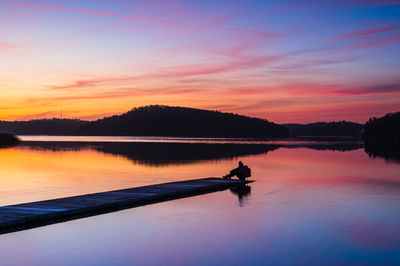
x: 32, y: 175
x: 37, y: 174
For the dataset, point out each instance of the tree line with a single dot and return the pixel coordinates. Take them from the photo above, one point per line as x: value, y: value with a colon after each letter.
x: 154, y: 120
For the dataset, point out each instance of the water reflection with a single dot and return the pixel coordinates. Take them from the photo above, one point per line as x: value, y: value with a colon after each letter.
x: 7, y: 145
x: 167, y: 153
x: 39, y: 170
x: 243, y: 192
x: 343, y: 206
x: 329, y: 146
x: 36, y: 171
x: 160, y: 154
x: 390, y: 151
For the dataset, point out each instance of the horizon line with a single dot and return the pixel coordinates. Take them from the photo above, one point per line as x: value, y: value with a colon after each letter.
x: 138, y: 107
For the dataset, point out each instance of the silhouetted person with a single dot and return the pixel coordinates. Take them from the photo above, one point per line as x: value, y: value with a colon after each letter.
x: 241, y: 172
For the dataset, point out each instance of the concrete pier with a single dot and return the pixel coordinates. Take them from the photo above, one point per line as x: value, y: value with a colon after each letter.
x: 34, y: 214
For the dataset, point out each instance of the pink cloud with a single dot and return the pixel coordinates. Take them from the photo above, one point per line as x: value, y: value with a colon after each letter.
x: 4, y: 46
x: 376, y: 42
x: 370, y: 41
x: 369, y: 89
x: 245, y: 62
x: 264, y: 34
x: 370, y: 31
x: 121, y: 93
x: 250, y: 90
x: 341, y: 89
x: 311, y: 63
x: 310, y: 89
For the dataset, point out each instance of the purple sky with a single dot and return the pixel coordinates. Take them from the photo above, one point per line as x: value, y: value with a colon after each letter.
x: 287, y: 61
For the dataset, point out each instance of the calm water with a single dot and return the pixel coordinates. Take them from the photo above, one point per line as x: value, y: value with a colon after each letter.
x: 312, y: 203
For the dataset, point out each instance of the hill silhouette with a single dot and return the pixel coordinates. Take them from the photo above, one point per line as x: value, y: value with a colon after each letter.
x: 342, y: 128
x: 382, y: 137
x: 386, y: 128
x: 157, y: 120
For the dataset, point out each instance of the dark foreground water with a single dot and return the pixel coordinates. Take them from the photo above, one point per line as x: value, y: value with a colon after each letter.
x: 312, y: 203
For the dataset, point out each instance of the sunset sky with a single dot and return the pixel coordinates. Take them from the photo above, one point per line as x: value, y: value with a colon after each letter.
x: 287, y: 61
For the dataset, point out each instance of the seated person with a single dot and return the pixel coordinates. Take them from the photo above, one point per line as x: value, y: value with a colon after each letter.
x: 241, y: 172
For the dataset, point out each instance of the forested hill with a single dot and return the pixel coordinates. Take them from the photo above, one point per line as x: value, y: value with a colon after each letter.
x: 382, y: 137
x: 342, y: 128
x: 384, y: 128
x: 159, y: 120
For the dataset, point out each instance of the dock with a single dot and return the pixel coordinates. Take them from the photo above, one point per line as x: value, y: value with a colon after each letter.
x: 34, y: 214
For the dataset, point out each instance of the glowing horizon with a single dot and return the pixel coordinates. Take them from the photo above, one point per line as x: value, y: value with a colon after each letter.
x: 287, y: 62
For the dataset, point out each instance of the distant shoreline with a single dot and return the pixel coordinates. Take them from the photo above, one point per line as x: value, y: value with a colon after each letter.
x: 73, y: 138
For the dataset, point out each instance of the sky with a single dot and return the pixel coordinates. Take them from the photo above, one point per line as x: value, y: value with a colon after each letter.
x: 286, y: 61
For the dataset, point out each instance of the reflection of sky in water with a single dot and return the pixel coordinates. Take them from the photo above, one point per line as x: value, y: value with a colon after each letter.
x: 307, y: 206
x: 155, y: 139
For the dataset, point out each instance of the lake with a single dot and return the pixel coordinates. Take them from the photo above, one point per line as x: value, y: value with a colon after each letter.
x: 313, y: 202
